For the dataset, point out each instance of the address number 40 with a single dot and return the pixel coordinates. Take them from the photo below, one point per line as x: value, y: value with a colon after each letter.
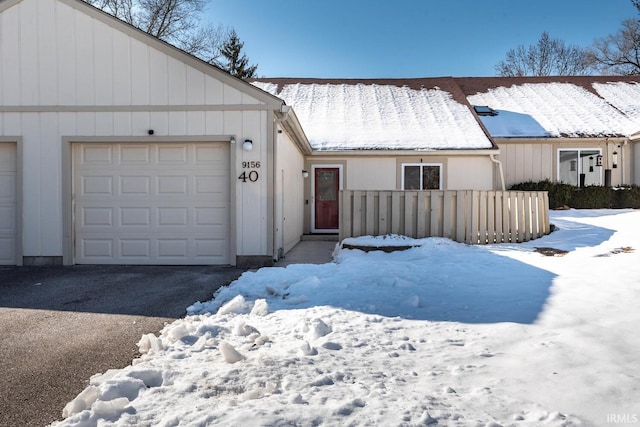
x: 251, y: 175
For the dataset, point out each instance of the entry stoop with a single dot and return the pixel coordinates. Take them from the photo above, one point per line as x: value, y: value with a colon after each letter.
x: 319, y: 237
x: 314, y: 251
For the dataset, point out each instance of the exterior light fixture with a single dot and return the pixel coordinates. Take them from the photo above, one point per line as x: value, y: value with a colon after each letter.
x: 247, y: 145
x: 232, y: 140
x: 305, y: 174
x: 615, y: 160
x: 599, y: 160
x: 590, y: 163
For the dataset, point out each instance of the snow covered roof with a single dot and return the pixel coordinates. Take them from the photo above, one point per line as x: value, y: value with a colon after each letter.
x: 439, y: 113
x: 579, y: 107
x: 398, y: 114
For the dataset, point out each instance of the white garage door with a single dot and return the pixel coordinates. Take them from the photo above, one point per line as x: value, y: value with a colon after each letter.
x: 151, y: 203
x: 8, y: 204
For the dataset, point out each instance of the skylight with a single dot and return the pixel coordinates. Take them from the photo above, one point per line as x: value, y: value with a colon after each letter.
x: 483, y: 110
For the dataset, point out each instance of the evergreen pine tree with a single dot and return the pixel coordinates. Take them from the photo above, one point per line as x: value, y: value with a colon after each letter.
x: 237, y: 63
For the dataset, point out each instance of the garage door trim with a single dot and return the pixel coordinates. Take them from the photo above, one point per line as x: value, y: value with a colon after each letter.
x: 67, y: 184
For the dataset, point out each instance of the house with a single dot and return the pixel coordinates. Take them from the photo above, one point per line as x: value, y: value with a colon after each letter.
x: 386, y: 134
x: 577, y: 130
x: 464, y: 133
x: 117, y: 148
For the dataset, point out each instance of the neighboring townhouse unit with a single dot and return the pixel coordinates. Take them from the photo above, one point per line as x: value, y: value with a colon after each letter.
x: 577, y: 130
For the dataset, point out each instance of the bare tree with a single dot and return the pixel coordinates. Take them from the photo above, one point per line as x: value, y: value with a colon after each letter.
x: 169, y: 19
x: 547, y: 57
x: 122, y: 9
x: 619, y: 53
x: 174, y: 21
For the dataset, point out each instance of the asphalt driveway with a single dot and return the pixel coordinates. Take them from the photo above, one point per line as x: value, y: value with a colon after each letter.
x: 60, y: 325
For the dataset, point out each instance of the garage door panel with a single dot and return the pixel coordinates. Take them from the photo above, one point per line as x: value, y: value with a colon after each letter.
x: 96, y: 249
x: 135, y: 217
x: 172, y: 185
x: 100, y: 154
x: 172, y: 248
x: 6, y: 250
x: 207, y: 154
x: 7, y: 187
x: 97, y: 217
x: 210, y: 185
x: 210, y: 216
x: 8, y: 203
x: 171, y: 155
x: 135, y: 248
x: 135, y: 185
x: 168, y: 216
x: 97, y: 185
x: 136, y: 154
x: 210, y: 247
x: 156, y: 214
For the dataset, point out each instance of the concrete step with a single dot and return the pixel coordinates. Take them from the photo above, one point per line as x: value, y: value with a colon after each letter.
x: 319, y: 237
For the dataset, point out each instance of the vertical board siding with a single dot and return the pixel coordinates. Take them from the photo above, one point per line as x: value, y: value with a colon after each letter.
x: 467, y: 216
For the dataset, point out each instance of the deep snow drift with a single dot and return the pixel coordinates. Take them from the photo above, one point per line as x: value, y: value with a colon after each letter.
x: 442, y: 334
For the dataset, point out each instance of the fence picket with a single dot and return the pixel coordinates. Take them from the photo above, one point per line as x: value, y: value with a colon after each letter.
x: 498, y: 217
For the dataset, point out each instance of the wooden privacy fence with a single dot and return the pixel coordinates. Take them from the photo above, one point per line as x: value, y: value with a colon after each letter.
x: 466, y: 216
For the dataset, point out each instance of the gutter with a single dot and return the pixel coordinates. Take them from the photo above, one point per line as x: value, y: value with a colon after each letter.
x: 287, y: 117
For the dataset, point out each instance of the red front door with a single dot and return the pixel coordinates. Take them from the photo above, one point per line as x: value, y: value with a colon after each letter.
x: 327, y: 187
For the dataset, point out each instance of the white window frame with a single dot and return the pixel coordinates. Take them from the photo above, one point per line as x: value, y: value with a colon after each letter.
x: 579, y: 164
x: 421, y: 165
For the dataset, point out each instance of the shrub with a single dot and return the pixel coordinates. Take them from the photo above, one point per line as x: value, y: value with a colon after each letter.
x: 591, y: 197
x: 627, y: 196
x: 559, y: 194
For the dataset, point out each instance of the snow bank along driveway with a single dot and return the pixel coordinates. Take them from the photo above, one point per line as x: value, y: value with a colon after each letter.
x: 442, y: 334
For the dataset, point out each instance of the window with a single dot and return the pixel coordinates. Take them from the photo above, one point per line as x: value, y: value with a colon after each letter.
x: 578, y: 167
x: 484, y: 110
x: 421, y: 176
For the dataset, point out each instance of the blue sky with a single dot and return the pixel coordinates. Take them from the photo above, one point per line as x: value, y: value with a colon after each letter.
x: 405, y: 38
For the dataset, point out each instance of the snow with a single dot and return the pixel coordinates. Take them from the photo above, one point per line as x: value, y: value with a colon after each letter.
x: 624, y: 96
x: 374, y: 116
x: 558, y: 109
x: 440, y: 334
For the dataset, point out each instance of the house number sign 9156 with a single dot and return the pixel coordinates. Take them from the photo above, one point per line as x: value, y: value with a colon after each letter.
x: 251, y: 174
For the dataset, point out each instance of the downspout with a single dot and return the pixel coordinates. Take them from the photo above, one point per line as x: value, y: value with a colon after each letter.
x: 496, y: 161
x: 622, y: 145
x: 277, y: 223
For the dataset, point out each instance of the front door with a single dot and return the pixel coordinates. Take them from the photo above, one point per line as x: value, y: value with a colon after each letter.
x: 327, y: 189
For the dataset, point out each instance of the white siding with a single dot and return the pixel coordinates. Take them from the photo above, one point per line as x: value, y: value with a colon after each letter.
x: 252, y: 196
x: 289, y: 197
x: 360, y: 176
x: 527, y: 162
x: 79, y: 60
x: 469, y: 173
